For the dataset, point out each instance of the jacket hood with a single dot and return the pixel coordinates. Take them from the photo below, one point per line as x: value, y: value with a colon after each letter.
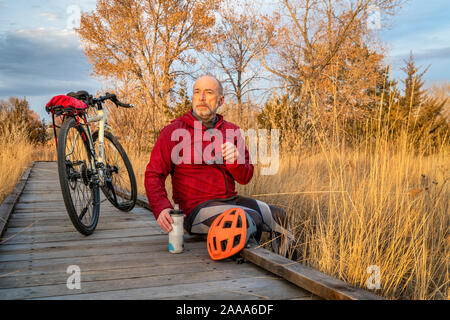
x: 189, y: 119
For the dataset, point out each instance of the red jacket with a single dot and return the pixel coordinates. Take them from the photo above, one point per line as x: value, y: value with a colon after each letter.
x: 194, y: 181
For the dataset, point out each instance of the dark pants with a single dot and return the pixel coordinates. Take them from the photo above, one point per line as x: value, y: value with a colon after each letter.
x: 201, y: 218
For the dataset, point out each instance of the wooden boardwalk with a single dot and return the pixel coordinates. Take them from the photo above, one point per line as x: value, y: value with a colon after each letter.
x: 125, y: 258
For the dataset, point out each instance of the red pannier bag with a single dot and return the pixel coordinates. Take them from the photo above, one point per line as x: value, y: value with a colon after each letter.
x: 63, y: 106
x: 62, y: 102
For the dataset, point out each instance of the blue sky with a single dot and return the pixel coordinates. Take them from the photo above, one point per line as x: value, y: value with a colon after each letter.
x: 40, y: 56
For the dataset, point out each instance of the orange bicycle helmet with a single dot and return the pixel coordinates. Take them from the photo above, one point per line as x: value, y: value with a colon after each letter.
x: 229, y: 233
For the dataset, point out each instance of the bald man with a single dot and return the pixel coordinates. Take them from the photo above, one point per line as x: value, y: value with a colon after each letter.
x: 206, y: 187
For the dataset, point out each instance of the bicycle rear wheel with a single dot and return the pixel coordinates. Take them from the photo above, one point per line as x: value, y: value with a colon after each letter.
x: 79, y: 184
x: 120, y: 182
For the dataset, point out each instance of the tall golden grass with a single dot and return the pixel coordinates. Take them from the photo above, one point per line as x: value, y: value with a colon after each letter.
x: 383, y: 202
x: 354, y: 209
x: 17, y: 153
x: 15, y: 156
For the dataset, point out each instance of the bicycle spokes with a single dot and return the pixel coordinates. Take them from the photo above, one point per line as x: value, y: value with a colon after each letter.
x: 78, y: 177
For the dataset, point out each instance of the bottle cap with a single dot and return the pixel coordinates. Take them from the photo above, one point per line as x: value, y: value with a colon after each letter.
x: 176, y: 210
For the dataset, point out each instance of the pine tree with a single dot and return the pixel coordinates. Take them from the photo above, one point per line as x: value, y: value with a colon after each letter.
x: 414, y: 94
x: 417, y: 112
x: 181, y: 106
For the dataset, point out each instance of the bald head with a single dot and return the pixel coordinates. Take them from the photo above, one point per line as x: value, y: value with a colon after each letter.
x: 209, y: 78
x: 207, y: 97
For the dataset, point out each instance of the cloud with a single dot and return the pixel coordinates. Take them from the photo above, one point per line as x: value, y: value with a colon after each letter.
x: 437, y: 53
x: 50, y: 16
x: 42, y: 61
x: 425, y: 55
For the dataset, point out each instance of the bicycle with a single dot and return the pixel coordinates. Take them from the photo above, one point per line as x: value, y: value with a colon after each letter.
x: 88, y: 162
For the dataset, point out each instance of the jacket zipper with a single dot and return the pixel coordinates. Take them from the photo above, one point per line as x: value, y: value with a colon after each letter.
x: 224, y: 179
x: 217, y: 166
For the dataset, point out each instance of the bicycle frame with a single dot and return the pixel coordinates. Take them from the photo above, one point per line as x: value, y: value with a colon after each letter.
x: 97, y: 158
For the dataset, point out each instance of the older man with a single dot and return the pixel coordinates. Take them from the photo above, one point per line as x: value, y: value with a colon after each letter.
x: 204, y: 167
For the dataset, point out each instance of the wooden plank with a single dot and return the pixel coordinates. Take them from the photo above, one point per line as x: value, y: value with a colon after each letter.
x: 60, y: 209
x: 68, y: 227
x: 312, y: 280
x: 101, y: 244
x: 68, y: 236
x: 153, y: 245
x: 64, y: 222
x: 181, y: 276
x: 7, y: 206
x: 7, y: 247
x: 60, y: 212
x: 110, y: 263
x: 263, y: 289
x: 16, y: 280
x: 161, y: 257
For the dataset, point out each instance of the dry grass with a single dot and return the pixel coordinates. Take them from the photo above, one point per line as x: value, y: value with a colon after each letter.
x: 15, y: 156
x: 354, y: 209
x: 17, y: 153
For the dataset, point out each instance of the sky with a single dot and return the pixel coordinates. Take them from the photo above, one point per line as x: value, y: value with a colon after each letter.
x: 40, y: 55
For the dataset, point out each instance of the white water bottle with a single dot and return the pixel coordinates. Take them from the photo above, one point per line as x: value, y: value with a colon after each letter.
x: 176, y: 236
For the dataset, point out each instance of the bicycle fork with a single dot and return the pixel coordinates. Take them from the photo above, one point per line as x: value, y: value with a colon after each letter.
x: 97, y: 159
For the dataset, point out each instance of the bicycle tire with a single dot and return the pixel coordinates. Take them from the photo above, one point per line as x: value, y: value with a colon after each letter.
x: 77, y: 179
x: 120, y: 182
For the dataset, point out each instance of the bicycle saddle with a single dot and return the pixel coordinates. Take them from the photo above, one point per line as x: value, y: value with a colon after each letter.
x: 81, y: 95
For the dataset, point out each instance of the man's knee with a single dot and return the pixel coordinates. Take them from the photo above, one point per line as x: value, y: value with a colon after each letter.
x: 279, y: 215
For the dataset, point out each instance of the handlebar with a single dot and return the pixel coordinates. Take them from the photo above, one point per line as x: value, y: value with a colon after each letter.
x: 113, y: 98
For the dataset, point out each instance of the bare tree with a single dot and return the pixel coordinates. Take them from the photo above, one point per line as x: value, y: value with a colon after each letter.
x: 234, y: 51
x: 325, y: 54
x: 145, y: 45
x: 312, y: 34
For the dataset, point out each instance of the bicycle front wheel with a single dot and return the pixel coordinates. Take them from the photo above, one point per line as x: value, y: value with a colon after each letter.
x: 77, y: 177
x: 120, y: 182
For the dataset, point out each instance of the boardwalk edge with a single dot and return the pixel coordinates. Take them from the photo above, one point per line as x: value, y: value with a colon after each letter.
x: 305, y: 277
x: 7, y: 206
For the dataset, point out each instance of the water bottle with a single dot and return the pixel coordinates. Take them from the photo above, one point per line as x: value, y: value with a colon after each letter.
x: 176, y: 236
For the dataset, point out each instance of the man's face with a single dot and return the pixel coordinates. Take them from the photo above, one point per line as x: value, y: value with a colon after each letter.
x: 206, y: 98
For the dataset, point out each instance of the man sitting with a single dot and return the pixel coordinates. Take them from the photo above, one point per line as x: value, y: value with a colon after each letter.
x: 204, y: 167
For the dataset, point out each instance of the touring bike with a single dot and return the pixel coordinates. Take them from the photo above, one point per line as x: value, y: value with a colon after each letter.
x: 88, y: 162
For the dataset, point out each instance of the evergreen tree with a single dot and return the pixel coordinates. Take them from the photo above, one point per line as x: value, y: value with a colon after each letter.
x: 417, y: 112
x: 181, y: 106
x: 414, y: 93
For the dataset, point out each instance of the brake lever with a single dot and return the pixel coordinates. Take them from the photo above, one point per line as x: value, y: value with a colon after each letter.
x: 116, y: 101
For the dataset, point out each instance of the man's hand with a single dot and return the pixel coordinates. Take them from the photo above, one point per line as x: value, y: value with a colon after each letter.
x: 165, y: 220
x: 229, y: 152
